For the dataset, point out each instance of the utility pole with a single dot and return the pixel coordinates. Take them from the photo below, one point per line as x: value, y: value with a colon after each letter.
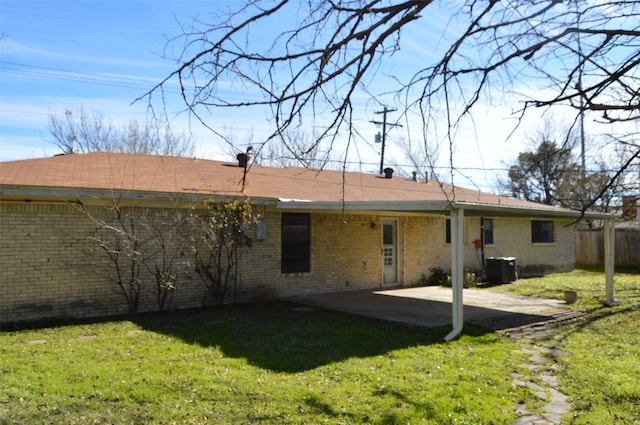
x: 384, y: 124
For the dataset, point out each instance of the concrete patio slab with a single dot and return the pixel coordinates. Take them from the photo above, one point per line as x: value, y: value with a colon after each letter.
x: 431, y: 306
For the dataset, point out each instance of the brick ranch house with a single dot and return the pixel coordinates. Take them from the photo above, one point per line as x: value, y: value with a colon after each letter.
x: 356, y: 230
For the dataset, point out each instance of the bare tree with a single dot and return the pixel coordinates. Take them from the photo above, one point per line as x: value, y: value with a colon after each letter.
x: 130, y: 247
x: 420, y: 158
x: 82, y: 132
x: 297, y: 149
x: 626, y: 145
x: 577, y: 54
x: 580, y: 188
x: 168, y: 241
x: 217, y: 233
x: 118, y: 249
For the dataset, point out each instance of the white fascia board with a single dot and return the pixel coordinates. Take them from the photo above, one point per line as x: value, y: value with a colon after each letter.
x: 400, y: 206
x: 509, y: 210
x: 435, y: 207
x: 58, y: 194
x: 61, y: 194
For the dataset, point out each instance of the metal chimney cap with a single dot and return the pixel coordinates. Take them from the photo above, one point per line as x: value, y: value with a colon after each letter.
x: 242, y: 158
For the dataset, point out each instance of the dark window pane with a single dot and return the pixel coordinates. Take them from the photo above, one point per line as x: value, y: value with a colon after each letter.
x: 296, y: 243
x: 387, y: 234
x: 447, y: 237
x: 541, y: 231
x: 487, y: 224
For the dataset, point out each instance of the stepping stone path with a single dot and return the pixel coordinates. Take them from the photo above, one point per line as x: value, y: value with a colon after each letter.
x: 543, y: 344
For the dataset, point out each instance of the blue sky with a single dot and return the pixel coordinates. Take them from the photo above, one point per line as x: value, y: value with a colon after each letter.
x: 58, y: 55
x: 103, y: 54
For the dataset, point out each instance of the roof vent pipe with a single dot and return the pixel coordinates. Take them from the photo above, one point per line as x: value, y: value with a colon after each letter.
x: 388, y: 173
x: 242, y: 158
x: 415, y: 176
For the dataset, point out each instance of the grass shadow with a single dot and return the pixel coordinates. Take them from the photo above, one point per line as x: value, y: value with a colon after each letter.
x: 284, y: 337
x: 603, y: 312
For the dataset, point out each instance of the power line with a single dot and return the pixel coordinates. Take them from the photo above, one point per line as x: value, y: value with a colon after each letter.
x: 141, y: 84
x: 114, y: 80
x: 442, y: 167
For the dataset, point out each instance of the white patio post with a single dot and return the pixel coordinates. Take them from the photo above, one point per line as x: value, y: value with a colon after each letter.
x: 457, y: 271
x: 609, y: 258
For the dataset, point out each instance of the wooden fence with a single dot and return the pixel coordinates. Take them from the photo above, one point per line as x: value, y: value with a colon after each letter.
x: 589, y: 248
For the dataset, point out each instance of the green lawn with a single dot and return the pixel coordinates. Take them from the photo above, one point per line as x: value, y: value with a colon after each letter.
x: 273, y: 364
x: 602, y: 373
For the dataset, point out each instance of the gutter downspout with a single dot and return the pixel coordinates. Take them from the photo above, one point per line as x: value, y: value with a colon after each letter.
x: 609, y: 259
x: 457, y: 271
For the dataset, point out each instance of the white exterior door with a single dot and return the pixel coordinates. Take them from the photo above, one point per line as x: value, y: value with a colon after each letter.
x: 389, y: 252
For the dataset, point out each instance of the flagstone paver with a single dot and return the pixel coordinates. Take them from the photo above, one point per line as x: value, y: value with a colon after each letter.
x: 541, y: 343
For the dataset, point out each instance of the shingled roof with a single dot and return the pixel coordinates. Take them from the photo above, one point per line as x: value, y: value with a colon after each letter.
x: 100, y: 171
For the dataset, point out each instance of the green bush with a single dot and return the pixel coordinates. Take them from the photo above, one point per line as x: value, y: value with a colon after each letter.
x: 439, y: 277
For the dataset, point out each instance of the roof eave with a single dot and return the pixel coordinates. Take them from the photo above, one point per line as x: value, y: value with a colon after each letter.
x: 62, y: 194
x: 529, y: 211
x: 33, y: 193
x: 438, y: 207
x: 404, y: 206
